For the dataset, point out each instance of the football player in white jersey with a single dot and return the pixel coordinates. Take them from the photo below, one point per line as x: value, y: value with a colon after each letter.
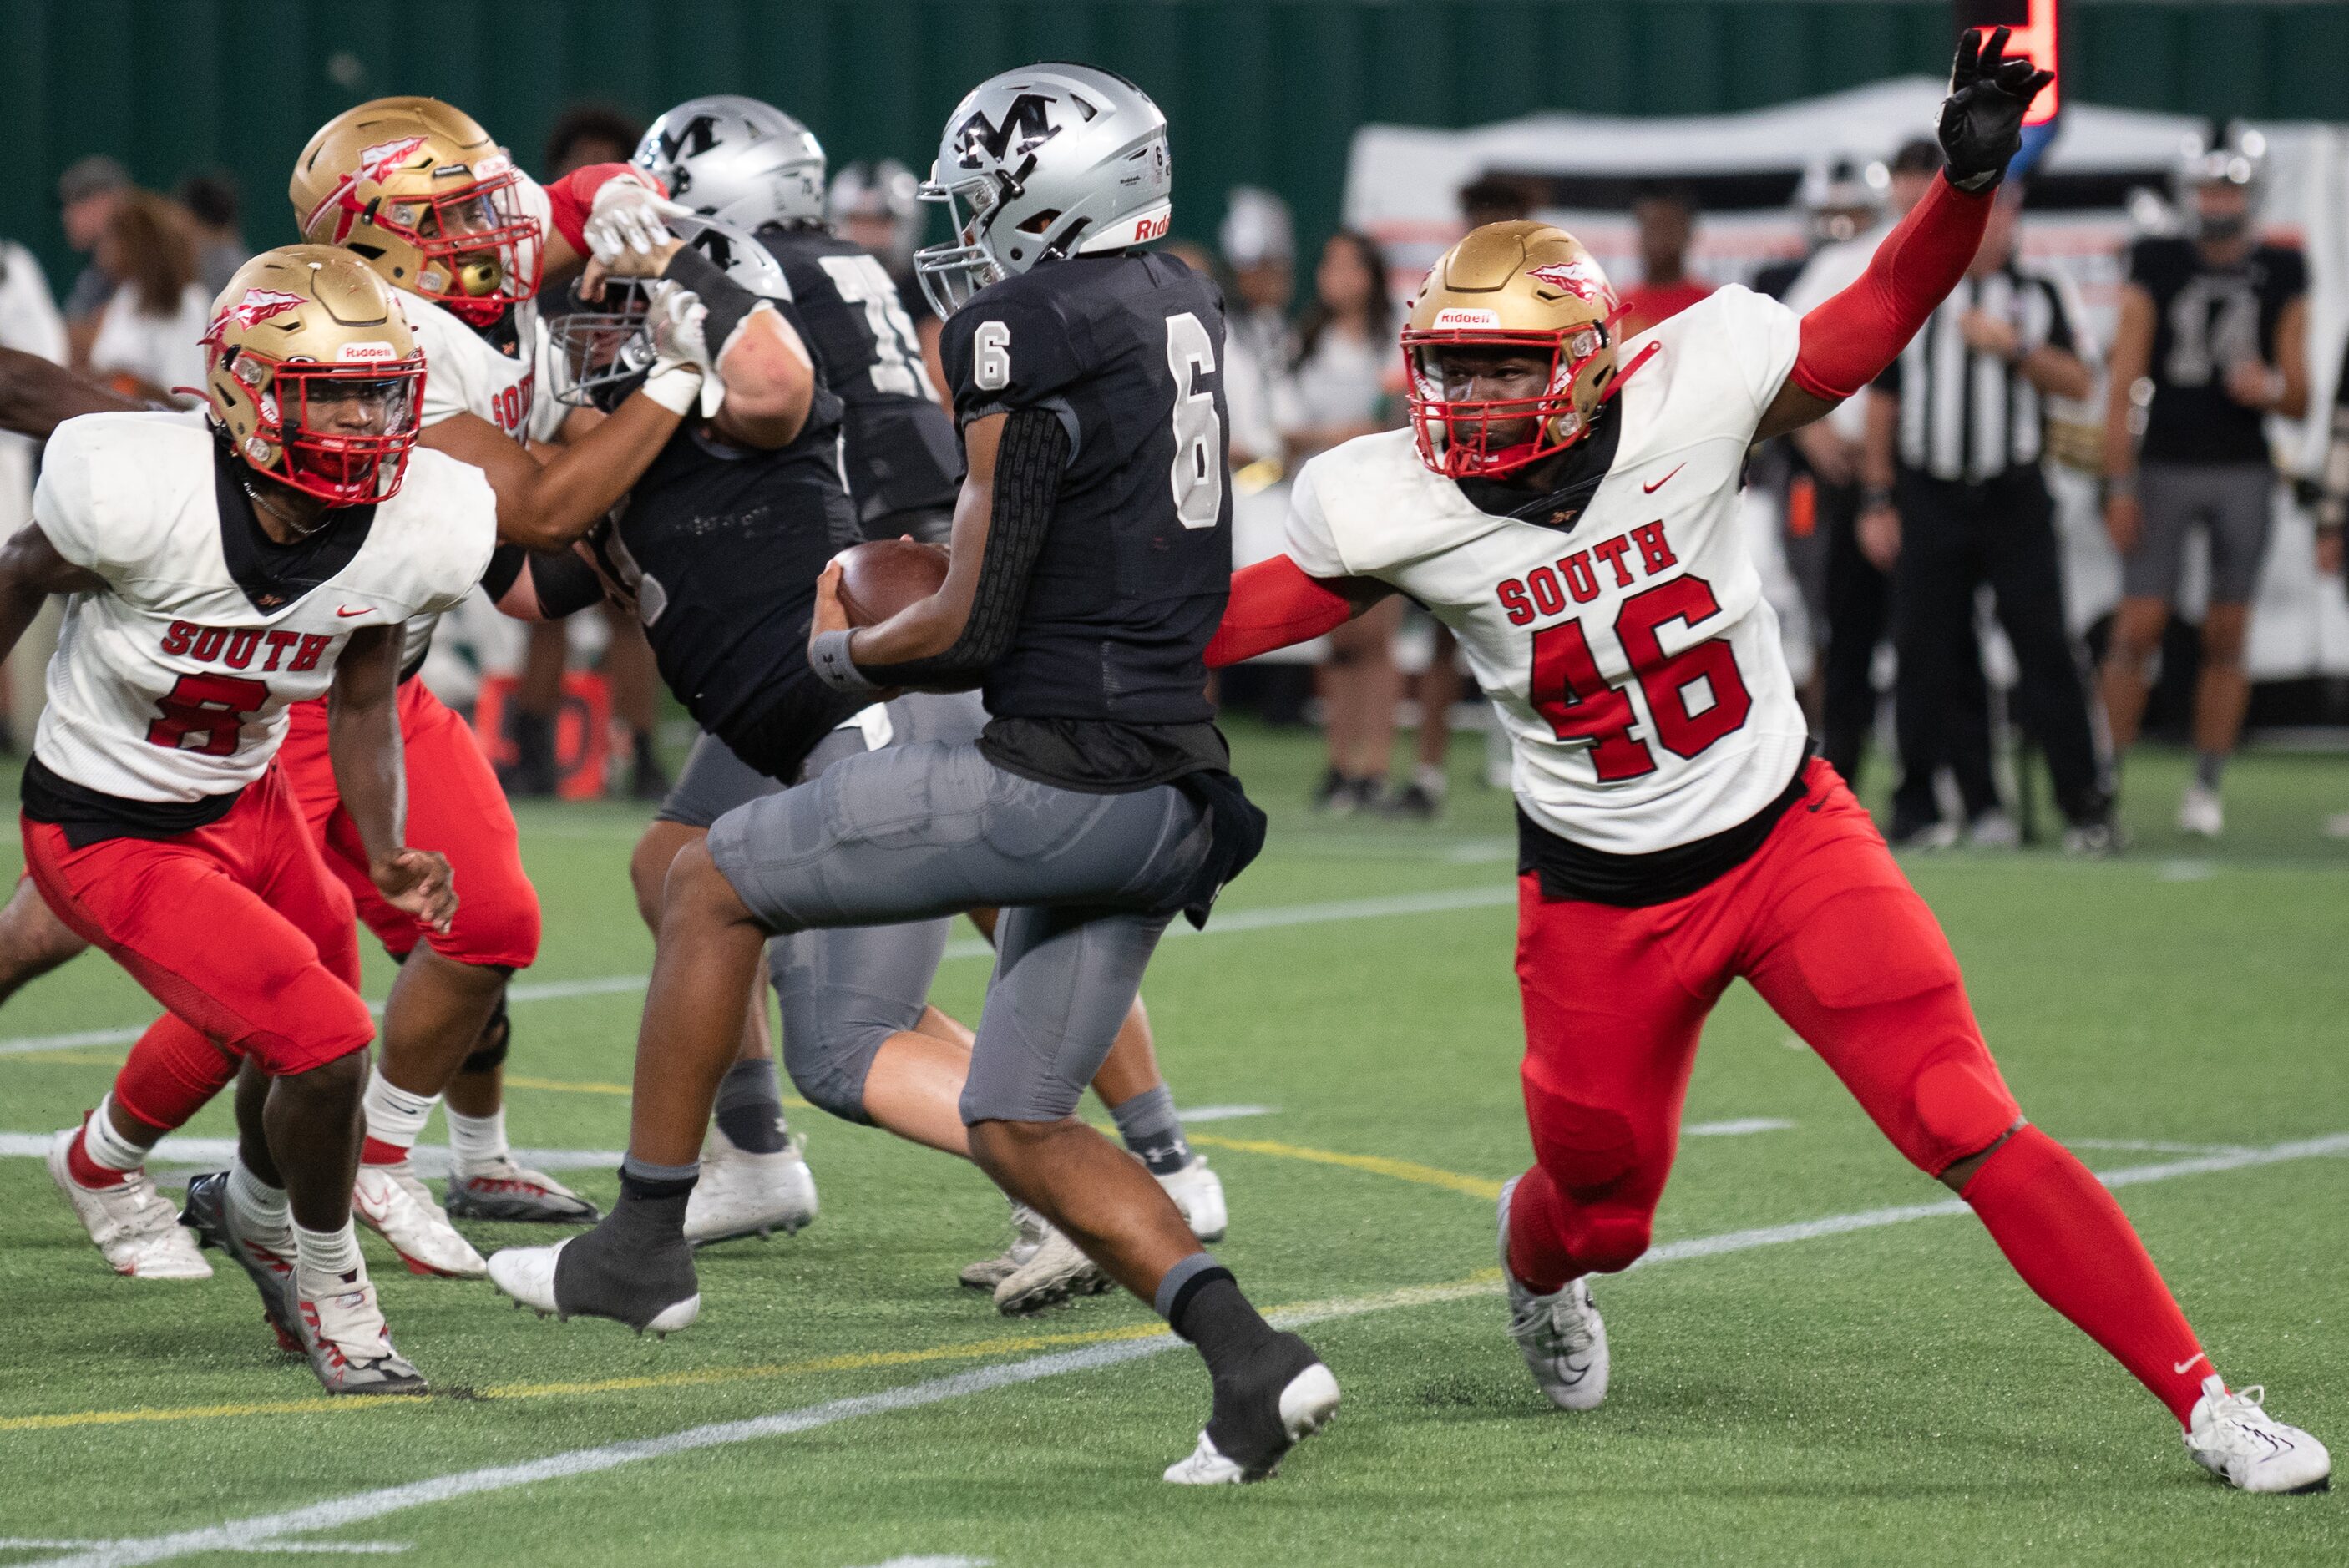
x: 1570, y: 511
x: 421, y: 192
x: 224, y: 568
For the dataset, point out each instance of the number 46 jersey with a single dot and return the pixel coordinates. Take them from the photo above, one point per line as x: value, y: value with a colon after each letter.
x: 1126, y: 352
x: 1629, y: 655
x: 172, y: 683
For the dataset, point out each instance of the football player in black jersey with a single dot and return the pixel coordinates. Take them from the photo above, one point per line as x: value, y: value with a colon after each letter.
x: 2219, y: 320
x: 748, y: 165
x: 1092, y: 560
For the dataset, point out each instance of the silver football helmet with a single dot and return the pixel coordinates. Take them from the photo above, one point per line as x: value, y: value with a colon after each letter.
x: 1841, y: 194
x: 1051, y: 160
x: 605, y: 347
x: 737, y: 160
x: 884, y: 195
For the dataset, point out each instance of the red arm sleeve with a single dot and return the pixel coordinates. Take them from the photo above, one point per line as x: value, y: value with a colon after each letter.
x: 1273, y: 604
x: 574, y: 196
x: 1849, y: 340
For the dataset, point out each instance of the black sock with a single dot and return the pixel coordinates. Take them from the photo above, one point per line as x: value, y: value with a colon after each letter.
x: 750, y: 1107
x: 636, y: 1262
x: 1212, y: 1314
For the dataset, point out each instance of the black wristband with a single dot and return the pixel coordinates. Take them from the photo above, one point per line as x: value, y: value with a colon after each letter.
x: 828, y: 657
x: 727, y: 302
x: 1875, y: 496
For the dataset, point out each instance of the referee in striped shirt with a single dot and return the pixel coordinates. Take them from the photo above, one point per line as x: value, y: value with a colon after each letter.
x: 1955, y: 499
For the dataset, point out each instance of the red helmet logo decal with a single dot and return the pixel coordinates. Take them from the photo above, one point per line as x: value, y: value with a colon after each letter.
x: 375, y: 163
x: 257, y: 307
x: 380, y: 160
x: 1582, y: 278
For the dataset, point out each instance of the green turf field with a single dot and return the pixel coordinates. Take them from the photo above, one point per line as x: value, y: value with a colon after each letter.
x: 1887, y: 1392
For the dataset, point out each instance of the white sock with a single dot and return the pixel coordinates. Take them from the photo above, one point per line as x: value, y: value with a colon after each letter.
x: 478, y: 1140
x: 260, y: 1209
x: 395, y: 1117
x: 106, y: 1147
x: 327, y: 1258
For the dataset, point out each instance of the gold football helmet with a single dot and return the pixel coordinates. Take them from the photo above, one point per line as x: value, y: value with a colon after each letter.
x: 1522, y: 286
x: 312, y: 373
x: 419, y: 191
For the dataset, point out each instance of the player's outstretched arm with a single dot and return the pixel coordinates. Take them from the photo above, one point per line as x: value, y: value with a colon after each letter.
x: 30, y: 571
x: 1275, y: 605
x: 363, y: 742
x: 37, y: 396
x: 547, y: 505
x: 1848, y: 341
x: 948, y: 640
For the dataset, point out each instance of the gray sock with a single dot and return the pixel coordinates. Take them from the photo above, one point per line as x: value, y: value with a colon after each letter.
x: 1171, y: 1290
x: 647, y: 1175
x: 2207, y: 767
x: 1153, y: 1131
x: 750, y: 1107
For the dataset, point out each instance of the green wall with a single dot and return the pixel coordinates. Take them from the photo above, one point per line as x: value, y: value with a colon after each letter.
x: 1264, y: 92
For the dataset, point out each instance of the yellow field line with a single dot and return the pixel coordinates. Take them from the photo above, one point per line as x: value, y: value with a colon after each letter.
x: 1377, y: 1164
x: 568, y: 1087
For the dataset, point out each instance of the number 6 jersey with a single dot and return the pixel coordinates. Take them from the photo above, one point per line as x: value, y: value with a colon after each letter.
x: 171, y: 684
x: 1626, y: 646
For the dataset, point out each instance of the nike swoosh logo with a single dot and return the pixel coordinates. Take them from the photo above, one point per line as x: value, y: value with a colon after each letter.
x: 346, y: 611
x: 1650, y: 490
x: 2189, y: 1361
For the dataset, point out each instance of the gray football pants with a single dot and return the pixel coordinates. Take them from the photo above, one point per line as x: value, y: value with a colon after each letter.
x: 843, y: 991
x: 1086, y: 884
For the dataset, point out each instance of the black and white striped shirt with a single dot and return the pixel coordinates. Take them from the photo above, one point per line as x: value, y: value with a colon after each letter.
x: 1969, y: 415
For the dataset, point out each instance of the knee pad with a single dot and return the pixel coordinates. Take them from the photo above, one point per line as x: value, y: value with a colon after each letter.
x: 1606, y: 1239
x: 1961, y: 1107
x: 1585, y: 1148
x: 498, y: 1032
x: 318, y: 1020
x: 495, y: 928
x: 828, y: 1050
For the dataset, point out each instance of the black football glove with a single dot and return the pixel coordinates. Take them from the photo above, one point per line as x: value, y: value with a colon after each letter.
x: 1982, y: 119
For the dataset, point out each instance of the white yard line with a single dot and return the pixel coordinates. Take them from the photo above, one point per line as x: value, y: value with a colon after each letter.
x: 1228, y: 924
x: 1736, y: 1129
x: 336, y: 1513
x: 213, y: 1153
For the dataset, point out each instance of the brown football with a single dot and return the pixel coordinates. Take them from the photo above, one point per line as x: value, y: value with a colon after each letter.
x: 880, y: 577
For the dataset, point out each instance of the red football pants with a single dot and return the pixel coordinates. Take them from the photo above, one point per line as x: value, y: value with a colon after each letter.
x: 236, y: 928
x: 1824, y: 925
x: 454, y: 806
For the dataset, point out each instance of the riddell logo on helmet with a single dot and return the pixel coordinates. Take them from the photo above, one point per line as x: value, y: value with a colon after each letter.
x: 1583, y: 280
x: 352, y: 352
x: 1464, y: 315
x: 1153, y: 226
x: 257, y: 307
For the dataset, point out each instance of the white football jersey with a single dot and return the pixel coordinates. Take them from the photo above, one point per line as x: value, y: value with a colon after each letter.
x: 1632, y: 656
x: 171, y: 683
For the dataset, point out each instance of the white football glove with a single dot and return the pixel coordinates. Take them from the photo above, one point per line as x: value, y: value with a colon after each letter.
x: 681, y: 371
x: 627, y: 217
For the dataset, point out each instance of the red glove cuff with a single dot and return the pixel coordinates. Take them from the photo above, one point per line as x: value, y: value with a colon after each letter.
x: 1849, y: 340
x: 1273, y: 604
x: 573, y: 197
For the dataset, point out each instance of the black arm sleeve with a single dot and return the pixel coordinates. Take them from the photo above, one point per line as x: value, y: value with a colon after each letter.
x: 727, y: 302
x: 1029, y: 464
x: 565, y: 585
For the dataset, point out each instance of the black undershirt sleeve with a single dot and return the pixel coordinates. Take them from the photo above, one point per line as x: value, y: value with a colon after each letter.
x: 565, y: 585
x: 505, y: 565
x: 1029, y: 464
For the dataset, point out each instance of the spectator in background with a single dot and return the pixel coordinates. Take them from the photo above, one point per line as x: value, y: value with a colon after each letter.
x: 1666, y: 215
x: 1259, y: 246
x: 150, y: 337
x: 87, y: 193
x: 2218, y: 321
x: 1496, y: 199
x: 29, y: 324
x: 1957, y: 426
x: 1859, y: 599
x: 211, y: 199
x: 1345, y: 354
x: 585, y: 134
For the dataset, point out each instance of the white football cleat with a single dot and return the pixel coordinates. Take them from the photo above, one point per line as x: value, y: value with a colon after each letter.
x: 503, y: 1189
x: 527, y: 1274
x: 745, y: 1194
x: 2233, y: 1438
x: 392, y: 1203
x: 1561, y: 1335
x: 1198, y: 1192
x: 1027, y: 1228
x: 1056, y: 1271
x: 133, y: 1228
x: 349, y: 1342
x: 2199, y: 812
x: 1307, y: 1405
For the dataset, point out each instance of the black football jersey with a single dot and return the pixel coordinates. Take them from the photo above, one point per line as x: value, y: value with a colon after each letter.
x: 902, y: 455
x: 722, y: 545
x: 1127, y: 352
x: 2205, y: 319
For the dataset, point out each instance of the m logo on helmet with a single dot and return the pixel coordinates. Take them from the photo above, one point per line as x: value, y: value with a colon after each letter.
x: 1026, y: 127
x: 1580, y: 278
x: 257, y: 307
x: 694, y: 137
